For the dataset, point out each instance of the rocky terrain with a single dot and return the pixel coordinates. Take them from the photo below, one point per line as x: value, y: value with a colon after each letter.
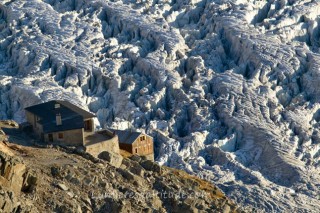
x: 229, y: 89
x: 54, y: 179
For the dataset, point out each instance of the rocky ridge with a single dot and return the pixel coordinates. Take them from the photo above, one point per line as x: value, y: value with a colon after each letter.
x: 69, y: 180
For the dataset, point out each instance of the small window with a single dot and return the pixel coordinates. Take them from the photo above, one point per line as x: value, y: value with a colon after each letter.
x: 136, y: 150
x: 142, y: 138
x: 60, y: 135
x: 57, y: 106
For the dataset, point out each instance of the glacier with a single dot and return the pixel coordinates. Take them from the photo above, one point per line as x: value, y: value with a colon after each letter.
x: 227, y: 88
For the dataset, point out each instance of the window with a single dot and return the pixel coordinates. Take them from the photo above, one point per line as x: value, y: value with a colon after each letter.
x: 88, y: 125
x: 136, y: 150
x: 57, y: 106
x: 58, y: 119
x: 142, y: 138
x: 60, y: 135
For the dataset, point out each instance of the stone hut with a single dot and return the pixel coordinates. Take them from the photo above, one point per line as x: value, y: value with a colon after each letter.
x: 62, y: 122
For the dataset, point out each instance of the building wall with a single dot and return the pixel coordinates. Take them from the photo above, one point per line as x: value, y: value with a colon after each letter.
x: 143, y: 147
x: 30, y: 118
x: 126, y: 147
x: 39, y: 131
x: 37, y: 128
x: 92, y: 123
x: 70, y: 137
x: 110, y: 145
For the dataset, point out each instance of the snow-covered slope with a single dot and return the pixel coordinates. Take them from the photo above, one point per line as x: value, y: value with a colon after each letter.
x: 230, y: 90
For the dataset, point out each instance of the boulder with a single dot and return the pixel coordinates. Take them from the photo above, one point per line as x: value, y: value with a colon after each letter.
x: 135, y: 179
x: 2, y: 132
x: 62, y: 187
x: 30, y: 182
x: 151, y: 166
x: 114, y: 159
x: 8, y: 203
x: 55, y: 171
x: 136, y: 169
x: 126, y: 163
x: 136, y: 158
x: 11, y: 123
x: 3, y: 136
x: 126, y: 174
x: 12, y: 172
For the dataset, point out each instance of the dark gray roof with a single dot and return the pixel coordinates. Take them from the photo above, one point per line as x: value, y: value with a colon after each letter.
x: 72, y: 116
x: 85, y: 114
x: 126, y: 136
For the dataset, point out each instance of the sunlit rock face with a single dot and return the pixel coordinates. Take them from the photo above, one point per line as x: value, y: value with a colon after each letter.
x: 229, y: 89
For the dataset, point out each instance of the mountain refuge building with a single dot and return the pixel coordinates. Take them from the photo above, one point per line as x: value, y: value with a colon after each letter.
x: 61, y: 122
x: 135, y: 142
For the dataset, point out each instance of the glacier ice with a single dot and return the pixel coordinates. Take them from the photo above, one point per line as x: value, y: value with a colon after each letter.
x: 227, y: 88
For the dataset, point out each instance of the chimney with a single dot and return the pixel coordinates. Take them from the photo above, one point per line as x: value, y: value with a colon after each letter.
x: 58, y: 119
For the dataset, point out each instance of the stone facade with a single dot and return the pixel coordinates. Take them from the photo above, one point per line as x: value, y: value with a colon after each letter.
x: 73, y: 137
x: 110, y: 144
x: 93, y: 142
x: 37, y: 128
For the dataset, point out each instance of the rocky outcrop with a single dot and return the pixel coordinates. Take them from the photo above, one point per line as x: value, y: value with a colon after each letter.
x: 12, y: 173
x: 114, y: 159
x: 71, y: 180
x: 14, y: 180
x: 8, y: 201
x: 137, y: 185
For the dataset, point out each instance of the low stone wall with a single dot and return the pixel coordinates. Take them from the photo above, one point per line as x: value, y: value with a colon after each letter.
x: 110, y: 145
